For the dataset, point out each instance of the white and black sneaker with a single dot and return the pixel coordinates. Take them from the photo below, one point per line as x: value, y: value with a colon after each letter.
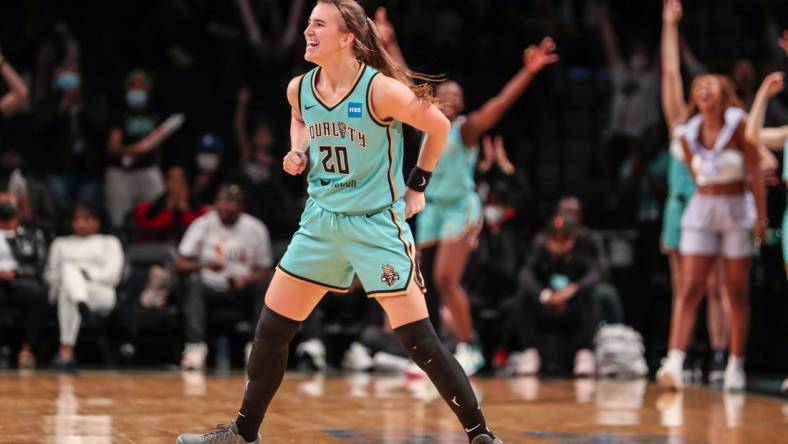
x: 486, y: 439
x: 222, y: 434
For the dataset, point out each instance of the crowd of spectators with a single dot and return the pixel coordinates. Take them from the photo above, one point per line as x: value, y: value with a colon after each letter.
x: 140, y: 168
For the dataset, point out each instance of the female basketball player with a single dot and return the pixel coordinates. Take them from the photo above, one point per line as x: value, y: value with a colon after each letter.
x: 773, y: 138
x: 446, y: 230
x: 346, y: 126
x: 719, y: 220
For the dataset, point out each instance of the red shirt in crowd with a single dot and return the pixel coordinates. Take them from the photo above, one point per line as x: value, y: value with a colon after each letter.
x: 156, y: 222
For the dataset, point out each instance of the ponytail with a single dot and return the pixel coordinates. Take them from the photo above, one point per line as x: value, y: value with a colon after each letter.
x: 369, y: 49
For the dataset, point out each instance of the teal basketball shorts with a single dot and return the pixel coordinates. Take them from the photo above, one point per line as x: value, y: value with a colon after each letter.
x: 671, y: 221
x: 330, y: 248
x: 445, y: 221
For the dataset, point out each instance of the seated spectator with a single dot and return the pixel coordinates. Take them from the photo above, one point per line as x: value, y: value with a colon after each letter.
x: 590, y: 244
x: 166, y: 218
x: 22, y: 258
x: 553, y: 294
x: 14, y: 182
x: 227, y: 254
x: 82, y: 272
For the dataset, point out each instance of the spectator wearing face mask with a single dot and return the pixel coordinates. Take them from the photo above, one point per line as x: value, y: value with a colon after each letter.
x: 133, y: 175
x: 590, y: 244
x: 22, y: 258
x: 634, y: 104
x: 14, y: 181
x: 554, y: 294
x: 70, y: 138
x: 208, y: 161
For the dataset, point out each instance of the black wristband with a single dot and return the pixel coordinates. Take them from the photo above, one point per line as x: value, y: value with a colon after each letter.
x: 418, y: 179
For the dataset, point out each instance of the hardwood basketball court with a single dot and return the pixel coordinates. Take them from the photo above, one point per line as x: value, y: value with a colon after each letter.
x: 114, y: 407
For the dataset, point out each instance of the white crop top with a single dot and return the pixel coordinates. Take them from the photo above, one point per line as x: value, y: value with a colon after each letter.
x: 717, y: 165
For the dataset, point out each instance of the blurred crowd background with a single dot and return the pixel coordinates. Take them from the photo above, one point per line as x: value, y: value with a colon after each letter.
x: 102, y: 75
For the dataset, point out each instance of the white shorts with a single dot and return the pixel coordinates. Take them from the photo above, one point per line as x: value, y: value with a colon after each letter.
x: 718, y: 226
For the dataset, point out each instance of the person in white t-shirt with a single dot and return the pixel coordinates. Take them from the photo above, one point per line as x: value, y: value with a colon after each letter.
x: 82, y: 272
x: 227, y: 255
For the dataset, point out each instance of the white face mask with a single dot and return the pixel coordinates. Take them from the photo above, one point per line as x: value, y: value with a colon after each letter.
x: 207, y: 162
x: 493, y: 214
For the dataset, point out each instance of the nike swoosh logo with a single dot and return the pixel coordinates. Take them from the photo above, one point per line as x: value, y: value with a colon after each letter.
x: 423, y: 182
x: 454, y: 401
x: 472, y: 428
x: 309, y: 106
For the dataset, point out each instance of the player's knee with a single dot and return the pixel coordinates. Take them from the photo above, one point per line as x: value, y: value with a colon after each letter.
x: 272, y: 336
x: 419, y: 341
x: 274, y: 331
x: 694, y: 288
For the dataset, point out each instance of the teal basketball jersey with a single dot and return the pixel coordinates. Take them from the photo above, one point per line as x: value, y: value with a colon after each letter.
x: 785, y: 163
x: 452, y: 177
x: 680, y: 181
x: 355, y: 159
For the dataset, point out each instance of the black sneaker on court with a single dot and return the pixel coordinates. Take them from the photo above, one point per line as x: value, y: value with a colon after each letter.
x: 719, y: 359
x: 222, y: 434
x: 486, y: 439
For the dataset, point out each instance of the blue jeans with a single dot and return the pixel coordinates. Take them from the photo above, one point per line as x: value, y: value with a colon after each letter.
x: 68, y: 189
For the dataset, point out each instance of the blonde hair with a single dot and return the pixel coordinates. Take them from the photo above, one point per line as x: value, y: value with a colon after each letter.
x: 369, y: 49
x: 728, y: 95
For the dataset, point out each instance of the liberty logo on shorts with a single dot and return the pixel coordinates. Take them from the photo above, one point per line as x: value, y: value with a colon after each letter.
x: 354, y: 109
x: 389, y: 276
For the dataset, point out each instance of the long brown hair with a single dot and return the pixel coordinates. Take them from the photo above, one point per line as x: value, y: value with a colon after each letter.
x: 368, y: 48
x: 728, y: 95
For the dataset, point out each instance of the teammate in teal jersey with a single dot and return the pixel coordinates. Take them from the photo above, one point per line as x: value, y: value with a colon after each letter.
x: 773, y: 138
x: 345, y: 126
x: 447, y: 228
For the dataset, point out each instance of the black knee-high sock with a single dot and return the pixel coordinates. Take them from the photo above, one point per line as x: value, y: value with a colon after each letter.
x: 267, y: 364
x: 425, y: 349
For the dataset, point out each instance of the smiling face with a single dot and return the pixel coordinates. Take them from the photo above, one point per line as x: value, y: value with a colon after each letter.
x: 451, y: 100
x: 326, y: 34
x: 707, y: 93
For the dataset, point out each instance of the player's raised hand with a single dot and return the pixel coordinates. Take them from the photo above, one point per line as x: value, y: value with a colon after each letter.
x: 671, y: 11
x: 500, y: 156
x: 537, y: 57
x: 783, y: 41
x: 773, y: 84
x: 414, y: 203
x: 385, y: 28
x: 489, y: 155
x: 294, y: 163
